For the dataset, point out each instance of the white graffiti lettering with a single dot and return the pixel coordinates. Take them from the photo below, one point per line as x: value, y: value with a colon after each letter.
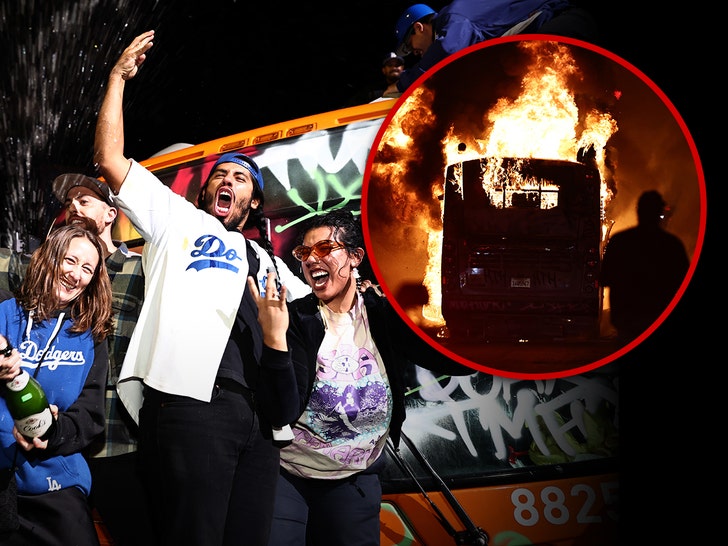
x: 505, y: 407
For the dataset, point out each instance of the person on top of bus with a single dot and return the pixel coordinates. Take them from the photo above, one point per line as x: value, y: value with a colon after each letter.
x: 433, y: 36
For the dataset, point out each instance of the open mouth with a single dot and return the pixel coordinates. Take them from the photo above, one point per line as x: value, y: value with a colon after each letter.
x: 67, y: 285
x: 319, y: 278
x: 224, y: 199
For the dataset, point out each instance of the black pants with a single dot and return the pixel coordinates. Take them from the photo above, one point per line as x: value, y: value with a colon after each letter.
x: 57, y: 518
x: 118, y: 495
x: 327, y: 512
x: 212, y: 469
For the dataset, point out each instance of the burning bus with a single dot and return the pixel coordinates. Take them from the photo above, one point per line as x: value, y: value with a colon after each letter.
x: 521, y: 249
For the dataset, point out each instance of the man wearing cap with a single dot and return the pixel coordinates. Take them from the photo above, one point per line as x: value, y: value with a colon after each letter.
x: 194, y: 376
x: 433, y: 36
x: 391, y: 67
x: 83, y: 196
x: 117, y: 492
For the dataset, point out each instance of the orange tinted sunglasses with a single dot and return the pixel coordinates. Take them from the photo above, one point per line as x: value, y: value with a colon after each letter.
x: 322, y: 248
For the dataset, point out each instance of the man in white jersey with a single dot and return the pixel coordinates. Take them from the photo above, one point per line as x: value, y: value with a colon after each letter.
x: 208, y: 404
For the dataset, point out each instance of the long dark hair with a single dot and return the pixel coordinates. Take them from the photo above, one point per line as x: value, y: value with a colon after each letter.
x: 38, y: 292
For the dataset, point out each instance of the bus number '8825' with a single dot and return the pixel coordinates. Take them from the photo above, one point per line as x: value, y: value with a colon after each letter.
x: 557, y: 507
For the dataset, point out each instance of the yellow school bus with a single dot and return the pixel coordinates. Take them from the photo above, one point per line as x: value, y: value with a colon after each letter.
x: 484, y: 459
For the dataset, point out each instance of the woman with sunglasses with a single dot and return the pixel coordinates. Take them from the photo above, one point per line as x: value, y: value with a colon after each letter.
x: 349, y: 349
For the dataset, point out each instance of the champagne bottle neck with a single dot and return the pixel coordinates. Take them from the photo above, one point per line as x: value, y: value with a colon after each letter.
x: 19, y: 382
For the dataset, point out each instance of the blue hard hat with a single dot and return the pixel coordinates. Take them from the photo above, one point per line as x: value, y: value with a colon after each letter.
x: 404, y: 24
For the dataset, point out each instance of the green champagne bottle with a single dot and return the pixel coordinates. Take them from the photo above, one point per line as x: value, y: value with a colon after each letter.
x: 29, y: 407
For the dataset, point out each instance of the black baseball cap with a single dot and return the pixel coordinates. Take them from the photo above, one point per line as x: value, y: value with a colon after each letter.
x: 65, y: 182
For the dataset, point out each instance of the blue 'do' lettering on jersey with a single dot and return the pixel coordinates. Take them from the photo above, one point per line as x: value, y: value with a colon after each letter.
x: 215, y: 254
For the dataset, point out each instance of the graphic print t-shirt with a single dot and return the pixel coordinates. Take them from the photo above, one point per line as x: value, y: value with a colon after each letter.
x: 344, y: 428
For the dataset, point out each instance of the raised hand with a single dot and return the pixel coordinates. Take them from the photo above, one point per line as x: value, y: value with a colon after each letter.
x: 272, y: 312
x: 134, y: 55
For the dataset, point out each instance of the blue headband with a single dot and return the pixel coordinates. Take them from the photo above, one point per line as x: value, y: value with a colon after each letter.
x: 244, y: 161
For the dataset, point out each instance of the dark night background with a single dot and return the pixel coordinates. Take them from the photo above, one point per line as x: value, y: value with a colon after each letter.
x: 222, y: 66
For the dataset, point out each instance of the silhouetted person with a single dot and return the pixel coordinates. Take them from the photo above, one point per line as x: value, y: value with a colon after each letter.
x: 643, y: 267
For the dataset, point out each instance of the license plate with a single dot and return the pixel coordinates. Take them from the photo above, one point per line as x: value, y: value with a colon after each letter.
x: 520, y: 282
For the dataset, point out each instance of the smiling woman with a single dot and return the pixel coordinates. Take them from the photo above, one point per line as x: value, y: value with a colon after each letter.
x: 77, y: 270
x: 350, y: 352
x: 59, y: 322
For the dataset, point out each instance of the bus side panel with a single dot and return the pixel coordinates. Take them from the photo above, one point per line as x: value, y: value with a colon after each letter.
x: 556, y: 512
x: 532, y: 459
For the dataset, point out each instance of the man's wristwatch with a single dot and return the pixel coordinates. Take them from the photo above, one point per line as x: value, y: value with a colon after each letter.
x: 7, y: 351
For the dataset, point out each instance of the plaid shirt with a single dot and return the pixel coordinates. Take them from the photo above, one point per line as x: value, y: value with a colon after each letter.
x: 127, y: 287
